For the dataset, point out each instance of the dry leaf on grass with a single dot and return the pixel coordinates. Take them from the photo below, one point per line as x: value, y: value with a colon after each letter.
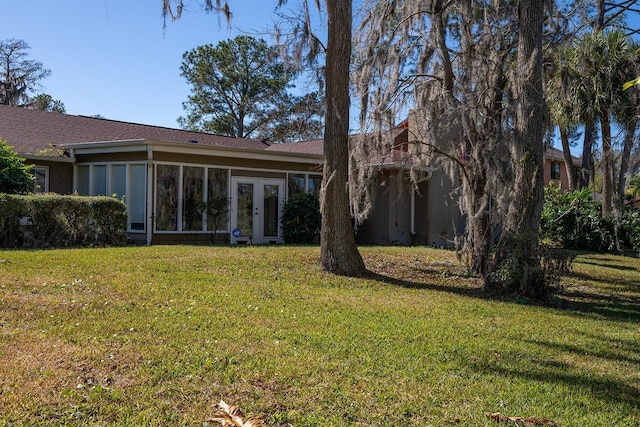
x: 232, y: 416
x: 522, y: 421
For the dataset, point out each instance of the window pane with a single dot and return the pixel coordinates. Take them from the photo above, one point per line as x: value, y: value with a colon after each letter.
x: 192, y: 198
x: 217, y: 199
x: 167, y: 198
x: 137, y: 197
x: 270, y: 218
x: 118, y: 181
x: 296, y: 184
x: 314, y: 182
x: 555, y: 170
x: 245, y: 209
x: 99, y: 180
x: 40, y: 182
x: 82, y: 180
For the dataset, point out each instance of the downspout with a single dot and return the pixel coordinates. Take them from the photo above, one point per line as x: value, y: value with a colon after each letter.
x: 150, y: 189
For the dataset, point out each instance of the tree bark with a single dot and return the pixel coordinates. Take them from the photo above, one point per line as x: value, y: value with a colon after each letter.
x: 629, y: 136
x: 586, y: 167
x: 568, y: 160
x: 338, y: 251
x: 519, y: 242
x: 607, y: 163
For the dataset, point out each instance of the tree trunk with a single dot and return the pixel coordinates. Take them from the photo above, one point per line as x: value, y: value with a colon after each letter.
x: 338, y: 251
x: 629, y: 136
x: 587, y: 145
x: 607, y: 163
x: 568, y: 160
x: 517, y: 248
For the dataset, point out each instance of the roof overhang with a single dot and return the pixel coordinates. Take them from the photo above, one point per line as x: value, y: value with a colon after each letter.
x: 57, y: 159
x: 106, y: 147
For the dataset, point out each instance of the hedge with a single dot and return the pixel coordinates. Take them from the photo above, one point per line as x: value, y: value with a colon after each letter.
x: 50, y: 220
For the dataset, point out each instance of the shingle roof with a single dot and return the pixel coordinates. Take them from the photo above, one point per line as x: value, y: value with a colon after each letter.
x: 30, y: 131
x: 304, y: 147
x: 553, y: 153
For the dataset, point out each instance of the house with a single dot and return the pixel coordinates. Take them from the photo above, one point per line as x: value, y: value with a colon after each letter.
x: 555, y: 168
x: 166, y: 176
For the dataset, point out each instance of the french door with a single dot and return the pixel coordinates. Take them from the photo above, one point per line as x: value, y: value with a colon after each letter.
x: 256, y: 209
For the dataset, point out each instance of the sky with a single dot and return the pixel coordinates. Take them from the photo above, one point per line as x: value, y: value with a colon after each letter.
x: 113, y: 58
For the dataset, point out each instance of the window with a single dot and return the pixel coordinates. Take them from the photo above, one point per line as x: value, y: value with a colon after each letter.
x: 296, y: 184
x: 124, y: 181
x: 99, y: 175
x: 314, y: 183
x: 167, y: 197
x: 82, y: 180
x: 41, y: 182
x: 183, y: 194
x: 301, y: 183
x: 137, y: 197
x: 192, y: 198
x: 217, y: 199
x: 555, y: 170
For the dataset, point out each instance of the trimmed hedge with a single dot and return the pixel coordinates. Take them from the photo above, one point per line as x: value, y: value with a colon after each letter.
x: 50, y: 220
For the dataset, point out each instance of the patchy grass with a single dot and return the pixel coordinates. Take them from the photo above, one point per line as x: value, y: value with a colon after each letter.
x: 157, y: 335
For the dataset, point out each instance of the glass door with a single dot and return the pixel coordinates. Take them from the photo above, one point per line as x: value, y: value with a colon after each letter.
x: 256, y: 210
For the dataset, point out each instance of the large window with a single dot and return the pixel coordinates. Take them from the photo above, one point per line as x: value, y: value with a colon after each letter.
x: 217, y: 198
x: 124, y: 181
x: 183, y: 195
x: 167, y: 197
x: 192, y: 198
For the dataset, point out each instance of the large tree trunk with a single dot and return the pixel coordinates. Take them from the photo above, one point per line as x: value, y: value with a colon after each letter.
x: 338, y: 251
x: 568, y: 160
x: 517, y: 249
x: 586, y: 168
x: 607, y: 164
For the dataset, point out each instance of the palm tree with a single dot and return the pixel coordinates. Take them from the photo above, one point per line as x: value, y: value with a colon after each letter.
x: 597, y: 63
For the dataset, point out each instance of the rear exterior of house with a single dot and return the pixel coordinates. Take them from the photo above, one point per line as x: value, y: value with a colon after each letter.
x: 167, y: 177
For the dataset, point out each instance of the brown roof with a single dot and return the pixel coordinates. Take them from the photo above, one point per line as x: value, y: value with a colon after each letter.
x: 30, y: 131
x: 304, y: 147
x: 553, y: 153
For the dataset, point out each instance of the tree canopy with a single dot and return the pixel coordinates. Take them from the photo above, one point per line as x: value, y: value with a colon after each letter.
x: 18, y: 74
x: 45, y: 102
x: 240, y: 87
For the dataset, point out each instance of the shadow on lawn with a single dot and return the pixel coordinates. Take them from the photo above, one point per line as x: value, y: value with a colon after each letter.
x: 525, y: 366
x: 616, y: 300
x: 583, y: 301
x: 467, y: 291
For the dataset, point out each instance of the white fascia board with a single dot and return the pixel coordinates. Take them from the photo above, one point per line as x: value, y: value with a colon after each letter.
x: 104, y: 147
x: 36, y: 158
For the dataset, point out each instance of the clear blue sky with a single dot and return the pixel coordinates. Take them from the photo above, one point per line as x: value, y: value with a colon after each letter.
x: 111, y: 57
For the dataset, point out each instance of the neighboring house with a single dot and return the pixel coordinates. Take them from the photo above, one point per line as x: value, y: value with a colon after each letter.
x: 555, y: 168
x: 166, y: 176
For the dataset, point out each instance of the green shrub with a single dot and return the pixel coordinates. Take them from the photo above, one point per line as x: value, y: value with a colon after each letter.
x: 573, y: 220
x: 301, y: 219
x: 48, y: 220
x: 15, y: 176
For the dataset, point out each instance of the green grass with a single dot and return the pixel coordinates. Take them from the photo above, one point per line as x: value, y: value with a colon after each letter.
x: 154, y: 336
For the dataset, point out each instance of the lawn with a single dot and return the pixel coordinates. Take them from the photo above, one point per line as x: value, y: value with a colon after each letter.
x: 154, y: 336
